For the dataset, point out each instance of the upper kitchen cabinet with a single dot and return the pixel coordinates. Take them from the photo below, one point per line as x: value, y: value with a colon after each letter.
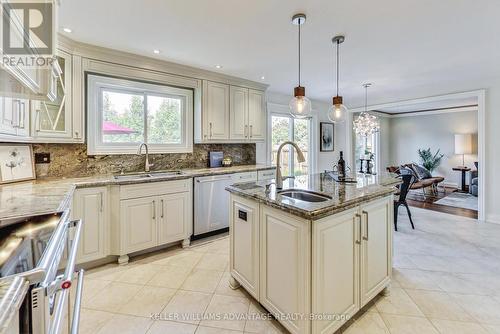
x: 25, y: 71
x: 256, y: 115
x: 14, y: 117
x: 215, y: 111
x: 58, y: 121
x: 231, y: 114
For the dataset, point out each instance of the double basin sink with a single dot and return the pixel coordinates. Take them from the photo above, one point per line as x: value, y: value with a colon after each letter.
x: 146, y: 175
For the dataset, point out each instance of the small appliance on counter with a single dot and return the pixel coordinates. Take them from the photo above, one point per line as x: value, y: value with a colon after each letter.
x: 215, y: 159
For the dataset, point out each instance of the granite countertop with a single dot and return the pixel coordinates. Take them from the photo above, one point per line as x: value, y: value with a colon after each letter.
x: 12, y: 292
x: 51, y: 195
x: 344, y: 195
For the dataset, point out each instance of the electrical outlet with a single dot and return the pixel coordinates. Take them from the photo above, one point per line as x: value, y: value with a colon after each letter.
x: 42, y: 158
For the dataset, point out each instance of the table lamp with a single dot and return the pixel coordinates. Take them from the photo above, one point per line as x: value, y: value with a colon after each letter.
x: 463, y: 145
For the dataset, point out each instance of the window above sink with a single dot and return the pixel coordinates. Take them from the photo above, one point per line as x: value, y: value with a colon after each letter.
x: 125, y: 113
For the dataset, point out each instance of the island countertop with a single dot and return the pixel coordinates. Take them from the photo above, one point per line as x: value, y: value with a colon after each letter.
x: 344, y: 195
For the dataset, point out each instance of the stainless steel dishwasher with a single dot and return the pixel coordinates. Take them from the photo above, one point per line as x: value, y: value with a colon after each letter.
x: 211, y: 200
x: 211, y: 203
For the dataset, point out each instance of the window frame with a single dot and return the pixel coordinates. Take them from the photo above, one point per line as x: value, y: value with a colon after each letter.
x: 97, y: 83
x: 284, y: 111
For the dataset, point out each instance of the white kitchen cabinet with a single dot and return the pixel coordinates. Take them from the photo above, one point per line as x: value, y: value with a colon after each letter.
x: 14, y: 116
x: 244, y: 246
x: 139, y: 223
x: 150, y: 215
x: 231, y: 114
x: 285, y: 267
x: 215, y: 112
x: 336, y: 244
x: 256, y: 115
x: 239, y: 129
x: 175, y: 210
x: 329, y: 267
x: 376, y: 250
x: 53, y: 120
x: 91, y: 205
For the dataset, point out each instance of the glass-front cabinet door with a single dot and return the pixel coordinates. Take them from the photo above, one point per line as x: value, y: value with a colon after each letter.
x: 53, y: 119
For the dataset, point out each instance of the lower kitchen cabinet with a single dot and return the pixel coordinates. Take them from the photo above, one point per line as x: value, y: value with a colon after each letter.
x: 376, y: 250
x: 244, y: 247
x: 91, y: 205
x: 138, y: 223
x: 285, y: 267
x: 313, y: 275
x: 175, y: 210
x: 337, y: 244
x: 151, y: 215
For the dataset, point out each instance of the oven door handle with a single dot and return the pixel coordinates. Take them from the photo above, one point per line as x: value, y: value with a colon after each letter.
x: 70, y: 265
x: 75, y: 322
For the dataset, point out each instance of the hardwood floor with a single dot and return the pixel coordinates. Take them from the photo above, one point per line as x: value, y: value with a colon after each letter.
x: 416, y: 199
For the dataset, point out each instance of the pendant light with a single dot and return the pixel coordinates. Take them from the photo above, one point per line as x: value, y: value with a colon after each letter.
x: 366, y: 124
x: 300, y: 105
x: 337, y: 113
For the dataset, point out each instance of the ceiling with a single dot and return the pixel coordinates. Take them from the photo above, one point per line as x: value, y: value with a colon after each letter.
x: 407, y: 49
x: 436, y: 105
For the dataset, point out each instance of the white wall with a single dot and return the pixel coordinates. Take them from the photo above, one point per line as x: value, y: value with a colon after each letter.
x: 410, y: 133
x: 323, y: 160
x: 492, y: 155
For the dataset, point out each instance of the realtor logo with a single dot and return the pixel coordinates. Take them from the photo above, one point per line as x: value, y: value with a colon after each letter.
x: 27, y: 28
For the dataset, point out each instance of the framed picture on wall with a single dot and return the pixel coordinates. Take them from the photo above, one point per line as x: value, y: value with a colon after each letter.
x: 16, y: 163
x: 326, y: 137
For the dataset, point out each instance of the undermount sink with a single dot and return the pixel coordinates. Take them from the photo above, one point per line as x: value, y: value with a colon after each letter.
x: 143, y: 175
x: 304, y: 195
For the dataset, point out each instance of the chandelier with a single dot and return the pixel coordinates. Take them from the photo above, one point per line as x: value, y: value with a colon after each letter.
x: 366, y: 124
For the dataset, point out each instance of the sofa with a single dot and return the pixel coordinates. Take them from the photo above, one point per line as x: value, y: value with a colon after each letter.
x: 474, y: 181
x: 419, y: 181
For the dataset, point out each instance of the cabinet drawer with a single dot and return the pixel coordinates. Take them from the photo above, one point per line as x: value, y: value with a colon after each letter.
x: 155, y: 188
x: 244, y: 177
x: 266, y: 174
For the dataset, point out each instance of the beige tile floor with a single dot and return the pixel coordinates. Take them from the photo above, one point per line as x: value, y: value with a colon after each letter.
x: 446, y: 279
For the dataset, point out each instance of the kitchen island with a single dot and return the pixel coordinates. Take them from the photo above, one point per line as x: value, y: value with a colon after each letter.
x: 316, y: 252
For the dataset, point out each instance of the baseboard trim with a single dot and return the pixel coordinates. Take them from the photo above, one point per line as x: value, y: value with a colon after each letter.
x: 493, y: 219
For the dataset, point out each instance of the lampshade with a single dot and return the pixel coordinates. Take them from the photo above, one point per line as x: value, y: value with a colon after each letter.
x: 463, y: 144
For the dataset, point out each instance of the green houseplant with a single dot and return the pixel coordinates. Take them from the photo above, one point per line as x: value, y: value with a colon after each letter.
x: 430, y: 161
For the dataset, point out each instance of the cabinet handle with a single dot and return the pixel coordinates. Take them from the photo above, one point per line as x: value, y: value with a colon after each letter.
x: 102, y: 204
x: 162, y: 208
x: 251, y: 131
x: 16, y: 114
x: 366, y: 221
x: 358, y: 219
x: 246, y: 131
x: 154, y: 210
x: 37, y: 119
x: 211, y: 130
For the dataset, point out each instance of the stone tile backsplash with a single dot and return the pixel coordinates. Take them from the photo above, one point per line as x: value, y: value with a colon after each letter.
x: 71, y: 160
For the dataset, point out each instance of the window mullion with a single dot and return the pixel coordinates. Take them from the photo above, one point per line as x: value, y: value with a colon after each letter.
x: 145, y: 106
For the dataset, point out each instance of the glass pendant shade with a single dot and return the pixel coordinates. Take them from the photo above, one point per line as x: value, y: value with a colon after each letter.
x: 300, y: 107
x: 337, y: 113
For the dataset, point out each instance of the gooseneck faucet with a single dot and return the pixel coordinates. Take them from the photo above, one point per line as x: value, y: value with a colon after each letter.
x: 300, y: 158
x: 146, y: 163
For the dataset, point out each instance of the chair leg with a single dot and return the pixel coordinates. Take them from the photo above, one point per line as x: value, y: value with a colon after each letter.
x: 423, y: 192
x: 409, y: 215
x: 396, y: 207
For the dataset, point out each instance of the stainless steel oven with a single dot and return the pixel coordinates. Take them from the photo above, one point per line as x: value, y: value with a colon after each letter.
x: 43, y: 250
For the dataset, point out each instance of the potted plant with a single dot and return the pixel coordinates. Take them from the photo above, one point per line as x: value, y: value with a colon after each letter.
x: 430, y: 161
